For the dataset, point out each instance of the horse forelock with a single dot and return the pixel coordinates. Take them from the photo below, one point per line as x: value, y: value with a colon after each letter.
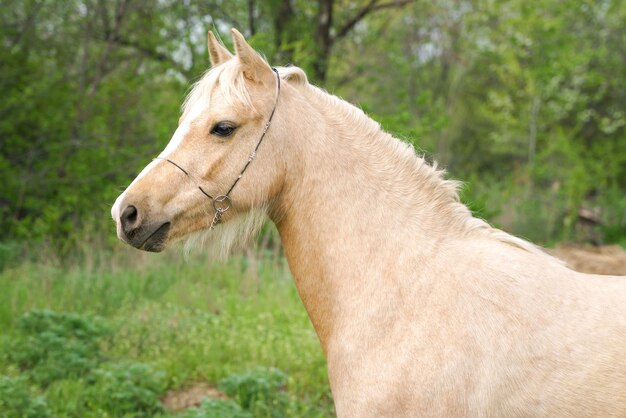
x: 229, y: 78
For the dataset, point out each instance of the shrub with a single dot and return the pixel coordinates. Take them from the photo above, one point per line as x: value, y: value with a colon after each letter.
x: 16, y: 400
x: 52, y: 346
x: 217, y: 408
x: 259, y: 391
x: 128, y: 389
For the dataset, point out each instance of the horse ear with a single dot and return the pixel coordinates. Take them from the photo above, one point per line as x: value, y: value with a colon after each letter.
x: 255, y: 68
x: 217, y: 51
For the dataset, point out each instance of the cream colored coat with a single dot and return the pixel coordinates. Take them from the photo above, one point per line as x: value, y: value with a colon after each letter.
x: 421, y: 309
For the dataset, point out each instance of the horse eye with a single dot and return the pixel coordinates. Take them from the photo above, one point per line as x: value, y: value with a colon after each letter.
x: 223, y: 129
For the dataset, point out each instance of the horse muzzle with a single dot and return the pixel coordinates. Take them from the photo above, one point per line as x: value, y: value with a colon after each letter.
x: 147, y: 236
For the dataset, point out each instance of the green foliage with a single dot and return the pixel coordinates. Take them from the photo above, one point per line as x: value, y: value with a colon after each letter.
x: 126, y: 389
x: 497, y: 90
x: 156, y: 323
x: 52, y: 346
x: 258, y: 390
x: 477, y: 200
x: 216, y: 408
x: 521, y: 101
x: 61, y: 352
x: 17, y: 400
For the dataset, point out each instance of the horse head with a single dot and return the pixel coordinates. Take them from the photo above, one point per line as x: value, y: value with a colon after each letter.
x: 223, y: 164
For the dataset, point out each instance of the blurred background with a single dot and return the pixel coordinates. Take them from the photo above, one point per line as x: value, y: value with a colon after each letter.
x: 523, y: 101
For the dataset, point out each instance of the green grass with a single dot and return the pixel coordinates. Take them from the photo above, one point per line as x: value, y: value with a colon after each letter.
x: 171, y: 321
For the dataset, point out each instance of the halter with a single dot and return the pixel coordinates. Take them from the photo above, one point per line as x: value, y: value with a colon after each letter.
x: 221, y: 203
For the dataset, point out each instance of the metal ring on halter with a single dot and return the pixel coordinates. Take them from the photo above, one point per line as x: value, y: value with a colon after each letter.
x: 221, y: 203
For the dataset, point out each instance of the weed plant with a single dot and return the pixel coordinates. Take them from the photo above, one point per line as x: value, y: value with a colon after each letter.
x: 108, y: 334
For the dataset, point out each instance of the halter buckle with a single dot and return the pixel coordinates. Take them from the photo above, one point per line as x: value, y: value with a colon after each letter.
x: 221, y: 203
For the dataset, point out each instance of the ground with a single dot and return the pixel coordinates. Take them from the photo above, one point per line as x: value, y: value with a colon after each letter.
x: 609, y: 259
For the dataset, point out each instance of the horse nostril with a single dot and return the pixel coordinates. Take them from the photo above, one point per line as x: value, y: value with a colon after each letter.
x: 130, y: 213
x: 128, y: 218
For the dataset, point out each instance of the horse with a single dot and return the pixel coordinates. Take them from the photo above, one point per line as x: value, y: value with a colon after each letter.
x: 421, y: 309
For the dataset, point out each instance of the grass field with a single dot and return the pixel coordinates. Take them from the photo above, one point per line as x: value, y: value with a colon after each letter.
x: 109, y: 334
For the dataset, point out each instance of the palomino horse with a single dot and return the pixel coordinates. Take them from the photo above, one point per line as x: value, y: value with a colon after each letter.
x: 421, y: 309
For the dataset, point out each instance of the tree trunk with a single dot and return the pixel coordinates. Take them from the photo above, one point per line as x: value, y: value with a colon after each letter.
x: 284, y: 35
x: 251, y: 20
x: 323, y: 40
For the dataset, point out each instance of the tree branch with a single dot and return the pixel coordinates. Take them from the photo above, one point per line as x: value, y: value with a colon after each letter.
x: 150, y: 53
x: 110, y: 34
x: 28, y: 22
x: 251, y: 17
x: 372, y: 6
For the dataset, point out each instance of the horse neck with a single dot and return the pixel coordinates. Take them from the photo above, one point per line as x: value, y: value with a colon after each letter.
x: 354, y: 199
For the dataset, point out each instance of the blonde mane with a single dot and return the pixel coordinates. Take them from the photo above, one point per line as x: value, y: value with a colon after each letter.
x: 401, y: 156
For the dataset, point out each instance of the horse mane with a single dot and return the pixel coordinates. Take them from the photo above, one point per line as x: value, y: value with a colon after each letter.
x: 401, y: 156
